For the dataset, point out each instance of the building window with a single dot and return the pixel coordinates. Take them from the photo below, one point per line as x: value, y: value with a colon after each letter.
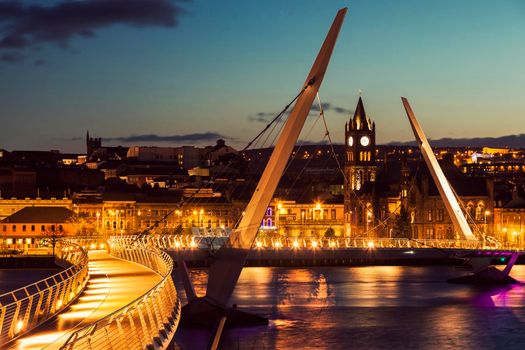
x: 23, y: 228
x: 42, y: 228
x: 430, y: 215
x: 14, y: 228
x: 60, y: 228
x: 470, y: 209
x: 32, y: 228
x: 4, y: 228
x: 52, y: 228
x: 333, y: 214
x: 480, y: 210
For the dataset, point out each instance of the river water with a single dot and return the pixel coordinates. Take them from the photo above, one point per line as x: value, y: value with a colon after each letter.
x: 379, y: 307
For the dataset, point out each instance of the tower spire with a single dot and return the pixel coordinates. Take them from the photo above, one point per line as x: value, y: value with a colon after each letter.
x: 360, y: 120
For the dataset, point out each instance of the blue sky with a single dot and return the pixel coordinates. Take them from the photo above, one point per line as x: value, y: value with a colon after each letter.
x: 460, y: 63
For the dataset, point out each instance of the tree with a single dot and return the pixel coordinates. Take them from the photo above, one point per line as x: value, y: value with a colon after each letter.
x: 329, y: 233
x: 53, y: 233
x: 401, y: 224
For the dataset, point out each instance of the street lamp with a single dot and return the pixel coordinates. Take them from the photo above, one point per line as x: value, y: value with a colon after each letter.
x: 487, y: 213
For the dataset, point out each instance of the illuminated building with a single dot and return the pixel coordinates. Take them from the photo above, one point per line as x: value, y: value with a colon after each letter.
x: 28, y: 226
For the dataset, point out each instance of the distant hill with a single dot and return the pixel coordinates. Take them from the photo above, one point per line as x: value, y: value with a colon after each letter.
x: 512, y: 141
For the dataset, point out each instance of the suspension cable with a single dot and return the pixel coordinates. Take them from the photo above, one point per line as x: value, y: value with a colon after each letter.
x: 184, y: 201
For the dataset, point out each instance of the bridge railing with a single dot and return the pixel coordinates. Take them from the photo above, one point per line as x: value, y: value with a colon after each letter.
x: 25, y: 308
x: 150, y: 321
x: 213, y: 242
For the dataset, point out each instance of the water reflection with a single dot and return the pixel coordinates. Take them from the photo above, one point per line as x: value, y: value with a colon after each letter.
x: 383, y: 307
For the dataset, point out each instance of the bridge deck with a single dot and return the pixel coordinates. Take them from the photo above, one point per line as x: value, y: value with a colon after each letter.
x: 113, y: 284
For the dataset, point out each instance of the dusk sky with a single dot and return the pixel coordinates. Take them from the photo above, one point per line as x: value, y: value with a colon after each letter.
x: 182, y: 73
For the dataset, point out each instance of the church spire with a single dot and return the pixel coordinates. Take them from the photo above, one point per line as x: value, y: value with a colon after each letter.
x: 360, y: 121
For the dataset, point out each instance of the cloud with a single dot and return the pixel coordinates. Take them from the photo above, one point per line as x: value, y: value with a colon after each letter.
x: 196, y: 137
x: 512, y: 141
x: 327, y: 106
x: 12, y: 57
x: 23, y: 25
x: 266, y: 117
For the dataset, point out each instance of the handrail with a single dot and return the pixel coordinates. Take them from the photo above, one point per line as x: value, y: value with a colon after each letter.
x: 27, y: 307
x: 149, y: 321
x: 214, y: 242
x: 183, y: 242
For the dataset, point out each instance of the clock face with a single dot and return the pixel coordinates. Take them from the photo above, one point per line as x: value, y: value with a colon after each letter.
x: 350, y: 141
x: 365, y: 141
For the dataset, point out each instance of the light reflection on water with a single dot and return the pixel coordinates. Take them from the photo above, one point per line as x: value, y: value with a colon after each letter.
x: 382, y: 307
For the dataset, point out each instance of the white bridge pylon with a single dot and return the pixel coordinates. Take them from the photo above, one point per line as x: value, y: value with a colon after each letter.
x: 447, y: 195
x: 225, y: 270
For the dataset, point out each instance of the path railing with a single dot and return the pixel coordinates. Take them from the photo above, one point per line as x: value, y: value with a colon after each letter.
x: 213, y: 243
x: 147, y: 322
x: 25, y: 308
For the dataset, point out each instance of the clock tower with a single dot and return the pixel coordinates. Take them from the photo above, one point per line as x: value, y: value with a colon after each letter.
x: 360, y: 142
x: 360, y: 168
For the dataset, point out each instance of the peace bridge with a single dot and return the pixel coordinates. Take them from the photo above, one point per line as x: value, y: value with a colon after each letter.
x: 124, y: 297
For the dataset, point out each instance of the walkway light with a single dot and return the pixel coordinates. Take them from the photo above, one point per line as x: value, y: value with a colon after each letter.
x: 258, y: 244
x: 19, y: 326
x: 295, y: 244
x: 314, y: 244
x: 370, y: 244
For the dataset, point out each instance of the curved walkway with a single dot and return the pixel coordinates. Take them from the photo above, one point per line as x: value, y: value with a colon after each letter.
x: 113, y: 283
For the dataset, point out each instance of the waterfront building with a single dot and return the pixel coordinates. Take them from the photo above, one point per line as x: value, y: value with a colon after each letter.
x: 509, y: 221
x: 27, y: 227
x: 319, y: 218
